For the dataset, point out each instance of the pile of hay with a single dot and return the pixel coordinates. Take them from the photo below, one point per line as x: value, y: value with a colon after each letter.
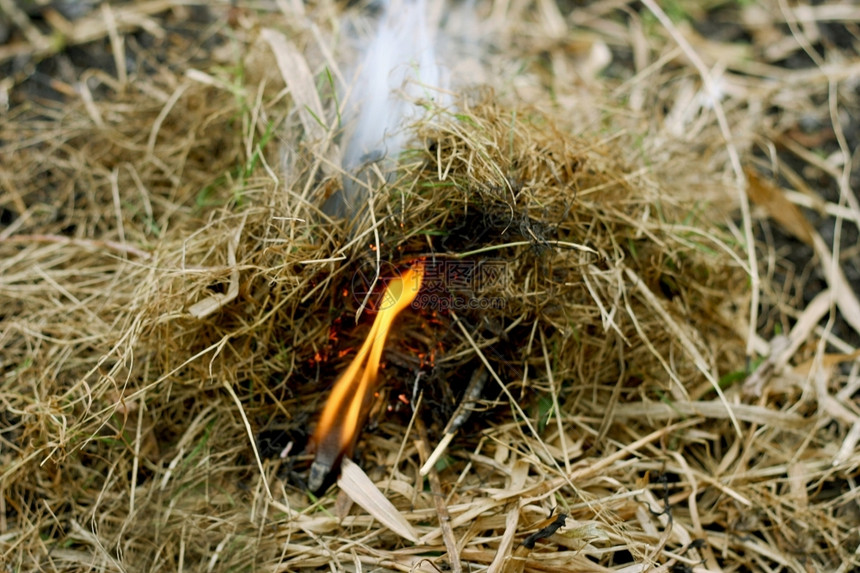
x: 175, y: 309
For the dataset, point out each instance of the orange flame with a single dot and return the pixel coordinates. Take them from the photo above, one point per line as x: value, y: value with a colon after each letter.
x: 337, y: 430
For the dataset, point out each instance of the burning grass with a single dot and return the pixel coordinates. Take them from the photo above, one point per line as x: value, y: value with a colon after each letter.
x: 176, y: 310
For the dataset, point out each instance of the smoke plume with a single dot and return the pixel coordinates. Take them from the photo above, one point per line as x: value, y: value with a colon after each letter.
x: 398, y: 69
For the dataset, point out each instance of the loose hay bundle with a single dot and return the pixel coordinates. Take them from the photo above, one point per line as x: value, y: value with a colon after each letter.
x: 177, y: 310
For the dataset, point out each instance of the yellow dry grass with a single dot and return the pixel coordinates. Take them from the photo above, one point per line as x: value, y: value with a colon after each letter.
x: 175, y: 307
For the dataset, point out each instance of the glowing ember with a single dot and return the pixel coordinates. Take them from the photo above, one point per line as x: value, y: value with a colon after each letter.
x: 338, y: 426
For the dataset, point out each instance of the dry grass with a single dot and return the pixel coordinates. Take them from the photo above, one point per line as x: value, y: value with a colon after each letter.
x: 174, y: 305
